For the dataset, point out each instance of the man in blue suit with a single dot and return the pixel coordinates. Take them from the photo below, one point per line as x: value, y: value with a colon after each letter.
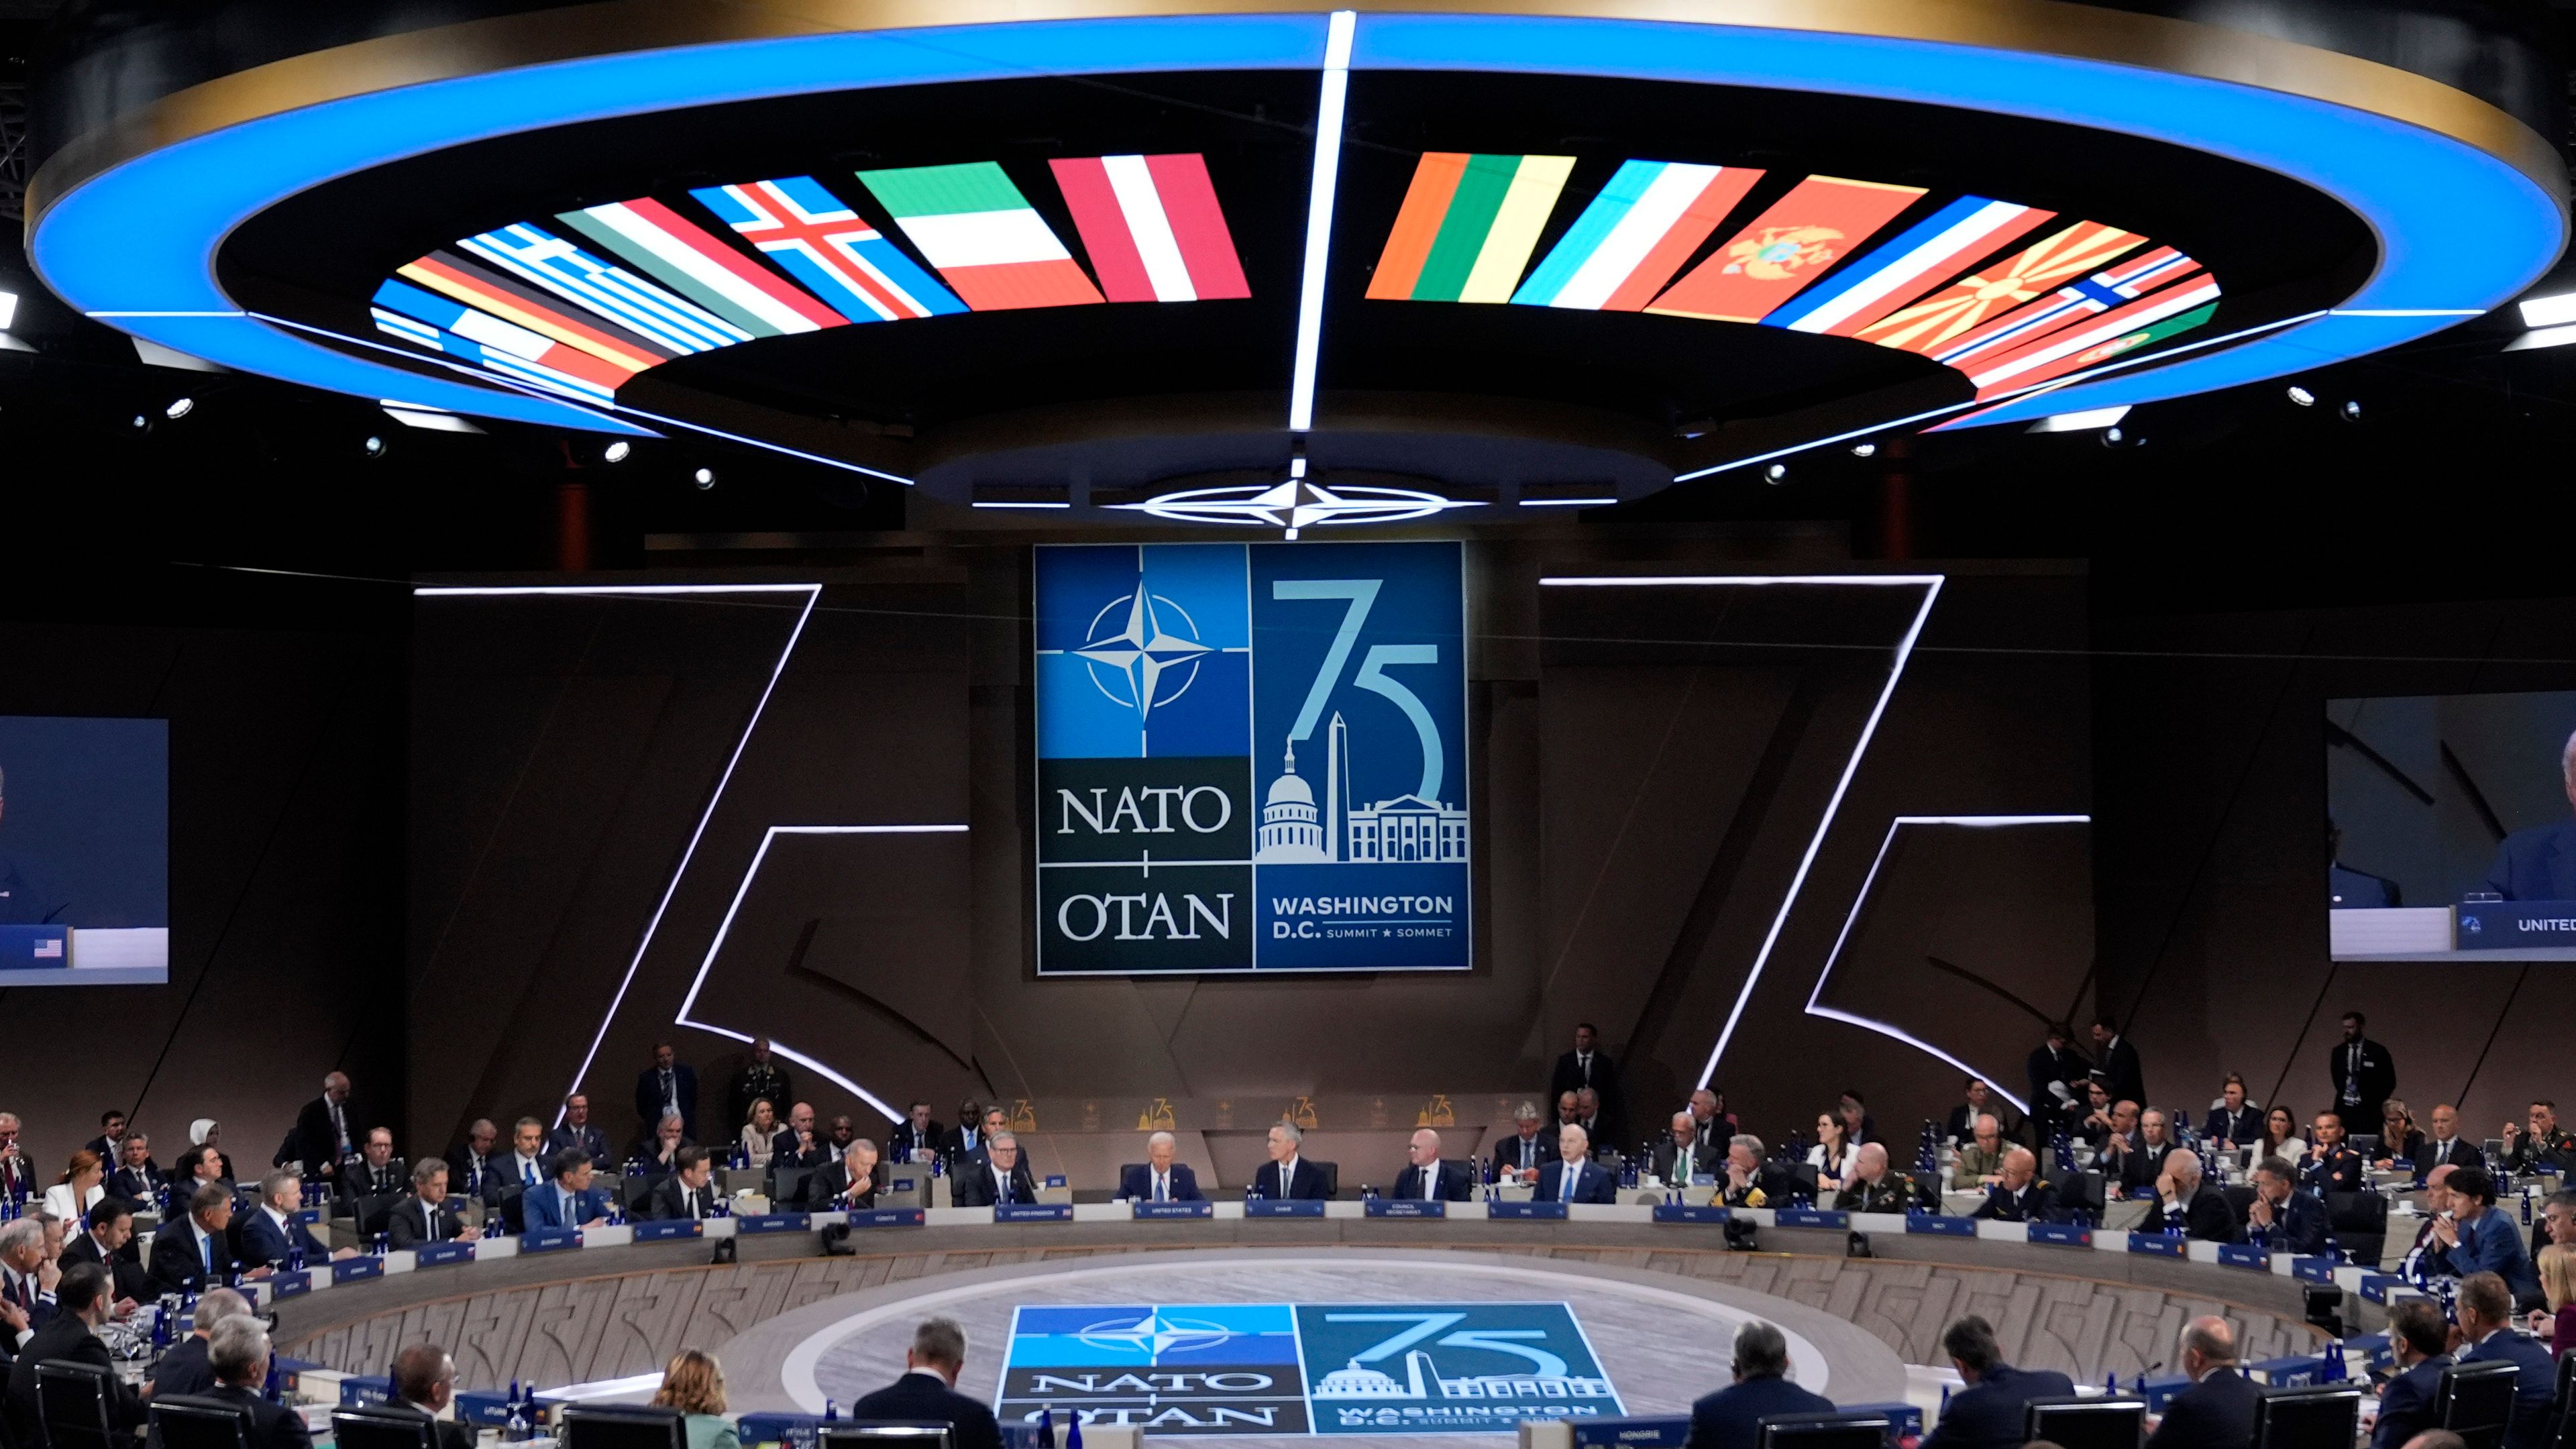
x: 1425, y: 1177
x: 2539, y: 864
x: 2291, y: 1222
x: 1988, y: 1413
x: 1159, y: 1178
x: 2422, y: 1342
x: 1732, y: 1417
x: 568, y: 1201
x: 1574, y: 1176
x: 2478, y: 1239
x: 2485, y: 1311
x: 271, y: 1234
x: 2217, y: 1411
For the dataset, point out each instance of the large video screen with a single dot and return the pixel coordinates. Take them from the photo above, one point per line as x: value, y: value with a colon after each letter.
x: 1251, y: 758
x: 84, y: 851
x: 2452, y: 824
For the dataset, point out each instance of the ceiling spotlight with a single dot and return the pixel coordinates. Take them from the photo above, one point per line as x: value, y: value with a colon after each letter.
x: 2552, y: 311
x: 2302, y: 396
x: 141, y: 422
x: 616, y: 452
x: 705, y: 478
x: 2352, y: 412
x: 1865, y: 450
x: 179, y: 408
x: 1776, y: 472
x: 2119, y: 437
x: 374, y: 445
x: 8, y: 309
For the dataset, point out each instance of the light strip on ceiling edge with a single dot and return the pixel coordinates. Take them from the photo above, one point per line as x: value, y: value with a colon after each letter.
x: 1861, y: 898
x: 1931, y: 586
x: 1319, y: 219
x: 813, y: 593
x: 726, y: 927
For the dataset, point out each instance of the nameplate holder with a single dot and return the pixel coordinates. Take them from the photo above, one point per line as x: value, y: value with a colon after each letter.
x: 2375, y: 1349
x: 1054, y: 1179
x: 1905, y: 1421
x: 664, y: 1230
x: 2160, y: 1390
x: 2244, y: 1255
x: 2063, y: 1235
x: 750, y: 1223
x: 483, y: 1408
x: 788, y: 1431
x: 2294, y: 1372
x: 1810, y: 1218
x: 359, y: 1389
x: 1403, y: 1207
x: 887, y: 1218
x: 1283, y: 1207
x: 2387, y: 1288
x: 1033, y: 1212
x: 1635, y: 1431
x: 290, y: 1285
x: 1147, y: 1210
x: 349, y: 1270
x: 1551, y: 1212
x: 905, y: 1182
x: 549, y: 1240
x: 2313, y: 1270
x: 1682, y: 1212
x: 2155, y: 1245
x: 433, y: 1255
x: 306, y: 1216
x: 1941, y: 1226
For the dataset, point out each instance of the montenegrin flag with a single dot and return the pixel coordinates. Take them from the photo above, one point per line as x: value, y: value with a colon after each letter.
x: 1868, y: 288
x: 688, y: 259
x: 1785, y: 249
x: 982, y: 235
x: 822, y: 243
x: 1467, y: 227
x: 1152, y: 227
x: 1931, y: 325
x: 1635, y: 235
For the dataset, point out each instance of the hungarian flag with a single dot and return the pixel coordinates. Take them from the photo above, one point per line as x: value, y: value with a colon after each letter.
x: 2102, y: 338
x: 1634, y: 235
x: 1930, y: 325
x: 982, y: 235
x: 535, y: 256
x: 2085, y: 297
x: 1786, y: 248
x: 690, y: 260
x: 821, y: 242
x: 1870, y: 287
x: 1467, y: 227
x: 463, y: 283
x: 1152, y: 227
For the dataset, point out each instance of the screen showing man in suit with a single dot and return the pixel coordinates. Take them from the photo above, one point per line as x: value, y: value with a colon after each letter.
x: 84, y: 851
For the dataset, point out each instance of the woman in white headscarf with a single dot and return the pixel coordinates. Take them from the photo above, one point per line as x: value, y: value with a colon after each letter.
x: 207, y: 1132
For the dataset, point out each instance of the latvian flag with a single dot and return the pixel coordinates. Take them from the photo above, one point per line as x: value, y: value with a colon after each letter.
x: 1870, y: 287
x: 1635, y: 235
x: 982, y: 235
x: 1152, y: 227
x: 693, y: 262
x: 822, y: 243
x: 1467, y: 227
x: 1795, y: 241
x: 2110, y: 289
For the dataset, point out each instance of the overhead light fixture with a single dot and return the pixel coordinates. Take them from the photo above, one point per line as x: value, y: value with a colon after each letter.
x: 2302, y: 396
x: 2351, y: 411
x: 1295, y: 504
x: 2081, y: 422
x: 1321, y: 184
x: 993, y: 503
x: 141, y: 422
x: 179, y: 408
x: 1597, y: 502
x: 2556, y: 310
x: 436, y: 420
x: 705, y: 478
x: 616, y: 452
x: 8, y: 309
x: 1865, y: 450
x: 1776, y: 472
x: 374, y: 446
x: 2113, y: 437
x: 2543, y: 337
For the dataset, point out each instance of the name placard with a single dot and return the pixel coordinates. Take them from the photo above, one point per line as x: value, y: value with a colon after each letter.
x: 788, y: 1431
x: 306, y: 1216
x: 1283, y: 1207
x: 773, y: 1223
x: 2502, y: 925
x: 349, y: 1270
x: 1941, y: 1225
x: 2155, y: 1245
x: 666, y: 1229
x: 2062, y: 1235
x: 290, y: 1285
x: 433, y: 1255
x: 1403, y: 1207
x: 360, y: 1389
x: 1811, y: 1218
x: 549, y: 1240
x: 1681, y: 1212
x: 1033, y: 1212
x: 1637, y: 1431
x: 2387, y: 1288
x: 2313, y: 1270
x: 2244, y: 1255
x: 1150, y: 1211
x: 1534, y: 1210
x: 888, y: 1218
x: 2296, y: 1371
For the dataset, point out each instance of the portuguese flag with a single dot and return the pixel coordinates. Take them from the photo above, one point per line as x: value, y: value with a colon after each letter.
x: 982, y: 235
x: 1467, y: 227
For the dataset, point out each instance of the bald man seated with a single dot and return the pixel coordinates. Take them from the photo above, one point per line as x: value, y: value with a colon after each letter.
x: 2217, y: 1411
x: 1426, y: 1177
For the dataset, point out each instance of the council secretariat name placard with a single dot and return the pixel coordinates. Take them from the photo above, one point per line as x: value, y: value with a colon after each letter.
x: 1251, y: 757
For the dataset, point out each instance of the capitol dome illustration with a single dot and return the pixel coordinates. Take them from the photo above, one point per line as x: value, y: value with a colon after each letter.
x: 1291, y: 830
x: 1356, y: 1382
x: 1298, y: 829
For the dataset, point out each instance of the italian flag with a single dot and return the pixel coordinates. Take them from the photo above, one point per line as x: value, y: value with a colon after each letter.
x: 981, y: 234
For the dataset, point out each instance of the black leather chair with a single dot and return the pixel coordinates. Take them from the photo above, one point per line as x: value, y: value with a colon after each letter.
x: 1332, y: 1172
x: 787, y: 1187
x: 373, y: 1426
x: 184, y: 1422
x: 2475, y: 1401
x: 2076, y: 1422
x: 2359, y: 1222
x: 2313, y: 1416
x: 623, y: 1426
x: 2562, y: 1406
x: 1842, y: 1429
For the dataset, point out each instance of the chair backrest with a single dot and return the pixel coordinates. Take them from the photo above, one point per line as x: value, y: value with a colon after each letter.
x: 2075, y: 1422
x: 2562, y: 1406
x: 1332, y: 1172
x: 2240, y: 1197
x: 2315, y: 1416
x: 2475, y: 1400
x: 71, y: 1404
x: 886, y: 1434
x: 622, y: 1426
x: 184, y: 1422
x: 1842, y: 1429
x: 2357, y: 1212
x: 374, y: 1426
x: 787, y: 1187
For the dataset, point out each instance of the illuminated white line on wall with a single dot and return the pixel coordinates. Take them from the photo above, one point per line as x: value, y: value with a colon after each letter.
x: 1931, y: 586
x: 812, y: 592
x: 1860, y: 898
x: 1319, y: 218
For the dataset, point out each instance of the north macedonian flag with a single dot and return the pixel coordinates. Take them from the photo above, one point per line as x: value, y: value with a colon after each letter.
x: 983, y: 236
x: 1791, y: 244
x: 1930, y: 325
x: 1152, y: 227
x: 1467, y: 227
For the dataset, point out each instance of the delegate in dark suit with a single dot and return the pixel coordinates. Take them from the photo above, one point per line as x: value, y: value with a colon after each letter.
x: 317, y: 1142
x: 263, y: 1241
x: 125, y: 1265
x: 2406, y: 1405
x: 66, y: 1337
x: 2298, y: 1226
x: 179, y: 1265
x: 1591, y: 1184
x: 184, y: 1369
x: 2339, y: 1170
x: 650, y: 1095
x: 544, y: 1207
x: 413, y: 1222
x: 2122, y: 1075
x: 1698, y: 1164
x: 588, y: 1138
x: 2216, y: 1413
x: 2245, y: 1124
x: 1518, y: 1152
x: 2364, y: 1077
x: 1450, y: 1184
x: 973, y: 1184
x: 2205, y: 1218
x: 824, y: 1187
x: 672, y: 1199
x: 907, y: 1139
x: 2493, y: 1244
x: 1988, y: 1414
x: 1307, y: 1182
x: 138, y: 1185
x: 272, y: 1426
x: 2532, y: 1388
x: 2458, y: 1152
x: 921, y: 1397
x: 1136, y: 1181
x: 1732, y: 1417
x: 2536, y: 865
x: 447, y: 1435
x: 2035, y: 1203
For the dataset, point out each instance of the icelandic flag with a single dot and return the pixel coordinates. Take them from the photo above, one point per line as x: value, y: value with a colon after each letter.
x: 536, y: 255
x: 982, y: 235
x: 1931, y: 250
x: 821, y: 242
x: 1635, y: 235
x: 1152, y: 227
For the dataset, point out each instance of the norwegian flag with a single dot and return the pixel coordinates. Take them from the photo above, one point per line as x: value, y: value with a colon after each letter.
x: 819, y: 240
x: 2104, y: 291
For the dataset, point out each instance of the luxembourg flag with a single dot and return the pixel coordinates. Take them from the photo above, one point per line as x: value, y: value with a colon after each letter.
x: 822, y: 243
x: 1152, y: 227
x: 1927, y: 253
x: 982, y: 235
x: 1634, y: 235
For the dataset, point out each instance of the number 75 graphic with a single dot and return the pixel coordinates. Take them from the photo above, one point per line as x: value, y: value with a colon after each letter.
x: 1359, y: 595
x: 1496, y: 1340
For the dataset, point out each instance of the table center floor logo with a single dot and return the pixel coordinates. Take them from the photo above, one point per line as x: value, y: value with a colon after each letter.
x: 1305, y: 1368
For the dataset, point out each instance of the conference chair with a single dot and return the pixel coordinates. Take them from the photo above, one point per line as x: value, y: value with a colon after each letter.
x: 1332, y: 1172
x: 622, y: 1426
x: 2314, y: 1416
x: 182, y: 1421
x: 71, y: 1402
x: 1841, y: 1429
x: 787, y: 1187
x: 2240, y: 1199
x: 1927, y: 1190
x: 2359, y: 1222
x: 2562, y: 1406
x: 2075, y: 1422
x: 372, y: 1426
x: 2080, y: 1190
x: 2475, y: 1401
x: 885, y: 1434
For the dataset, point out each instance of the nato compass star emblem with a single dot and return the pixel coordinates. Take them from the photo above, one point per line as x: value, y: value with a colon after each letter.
x: 1155, y: 1335
x: 1297, y: 503
x: 1143, y: 655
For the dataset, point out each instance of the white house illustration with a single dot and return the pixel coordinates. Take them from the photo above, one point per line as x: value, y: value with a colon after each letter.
x: 1297, y: 829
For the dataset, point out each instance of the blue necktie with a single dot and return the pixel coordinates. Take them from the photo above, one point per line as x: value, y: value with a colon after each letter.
x: 529, y: 1170
x: 206, y: 1250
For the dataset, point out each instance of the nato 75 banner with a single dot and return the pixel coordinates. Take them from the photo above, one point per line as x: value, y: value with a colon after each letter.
x: 1251, y: 757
